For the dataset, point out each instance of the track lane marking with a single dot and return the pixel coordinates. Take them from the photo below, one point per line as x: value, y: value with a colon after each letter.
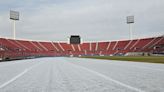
x: 10, y: 63
x: 109, y: 78
x: 140, y: 67
x: 18, y: 76
x: 143, y: 67
x: 148, y: 68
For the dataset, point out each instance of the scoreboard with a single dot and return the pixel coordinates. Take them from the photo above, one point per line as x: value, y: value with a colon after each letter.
x: 75, y: 39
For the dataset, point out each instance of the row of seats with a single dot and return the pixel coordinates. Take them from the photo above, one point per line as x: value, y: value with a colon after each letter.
x: 24, y: 48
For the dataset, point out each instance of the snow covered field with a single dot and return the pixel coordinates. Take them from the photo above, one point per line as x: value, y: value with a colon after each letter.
x: 63, y: 74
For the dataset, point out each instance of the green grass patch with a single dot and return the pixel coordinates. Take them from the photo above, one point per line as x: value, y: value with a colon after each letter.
x: 149, y: 59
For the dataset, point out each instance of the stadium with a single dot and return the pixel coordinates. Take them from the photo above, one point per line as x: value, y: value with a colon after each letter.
x: 81, y: 46
x: 21, y: 49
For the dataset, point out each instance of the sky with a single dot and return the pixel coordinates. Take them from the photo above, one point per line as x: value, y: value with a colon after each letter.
x: 93, y: 20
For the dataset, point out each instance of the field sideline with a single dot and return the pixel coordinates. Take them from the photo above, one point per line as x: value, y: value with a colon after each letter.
x: 149, y: 59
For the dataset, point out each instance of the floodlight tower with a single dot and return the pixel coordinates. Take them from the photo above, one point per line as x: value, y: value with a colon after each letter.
x: 68, y: 40
x: 14, y: 15
x: 130, y: 21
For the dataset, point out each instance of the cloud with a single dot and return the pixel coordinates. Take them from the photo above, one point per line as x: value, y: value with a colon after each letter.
x: 94, y: 20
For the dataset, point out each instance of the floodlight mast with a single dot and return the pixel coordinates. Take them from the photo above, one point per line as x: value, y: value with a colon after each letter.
x: 68, y: 40
x: 130, y: 31
x: 14, y: 34
x: 14, y: 15
x: 130, y: 21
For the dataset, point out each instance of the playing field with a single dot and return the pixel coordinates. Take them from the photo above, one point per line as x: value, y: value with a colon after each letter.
x: 150, y: 59
x: 63, y: 74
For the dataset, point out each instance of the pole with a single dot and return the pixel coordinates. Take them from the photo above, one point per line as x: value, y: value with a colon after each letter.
x: 68, y: 40
x: 130, y: 31
x: 81, y: 41
x: 14, y: 34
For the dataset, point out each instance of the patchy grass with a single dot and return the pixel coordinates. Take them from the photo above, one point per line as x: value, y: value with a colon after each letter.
x: 149, y: 59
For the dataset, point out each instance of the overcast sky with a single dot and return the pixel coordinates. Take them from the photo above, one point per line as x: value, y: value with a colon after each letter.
x: 93, y: 20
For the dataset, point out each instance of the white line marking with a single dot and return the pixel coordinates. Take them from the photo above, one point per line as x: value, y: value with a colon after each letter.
x: 9, y: 64
x: 109, y: 78
x: 132, y: 65
x: 17, y: 76
x: 148, y: 68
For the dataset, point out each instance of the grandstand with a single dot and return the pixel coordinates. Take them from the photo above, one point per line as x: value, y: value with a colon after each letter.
x: 20, y: 49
